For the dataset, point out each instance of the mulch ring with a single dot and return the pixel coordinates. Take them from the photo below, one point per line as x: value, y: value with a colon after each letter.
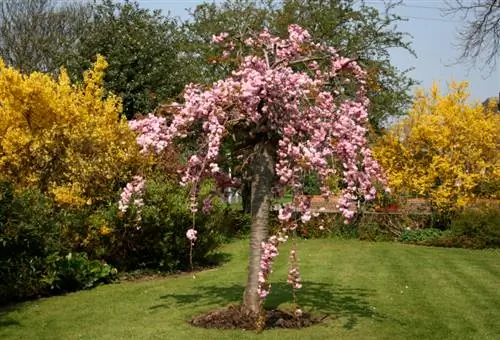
x: 235, y: 317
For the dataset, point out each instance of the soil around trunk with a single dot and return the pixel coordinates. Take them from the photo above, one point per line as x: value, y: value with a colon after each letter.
x: 235, y: 317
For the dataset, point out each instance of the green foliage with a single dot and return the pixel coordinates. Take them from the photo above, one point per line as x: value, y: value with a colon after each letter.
x: 29, y: 244
x: 311, y: 184
x: 76, y: 272
x: 477, y: 228
x: 473, y: 228
x: 32, y: 246
x: 373, y: 231
x: 141, y: 48
x: 421, y: 235
x: 364, y: 226
x: 155, y: 237
x: 327, y: 225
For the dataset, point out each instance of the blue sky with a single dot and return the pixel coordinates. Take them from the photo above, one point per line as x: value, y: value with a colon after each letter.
x: 434, y: 40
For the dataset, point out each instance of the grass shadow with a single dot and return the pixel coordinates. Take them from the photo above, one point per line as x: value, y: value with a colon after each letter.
x: 334, y: 301
x: 5, y: 319
x: 330, y: 299
x: 217, y: 259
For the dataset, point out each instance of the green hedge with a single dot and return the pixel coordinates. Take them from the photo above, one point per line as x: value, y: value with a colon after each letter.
x: 45, y: 249
x: 35, y: 258
x: 155, y: 236
x: 473, y: 228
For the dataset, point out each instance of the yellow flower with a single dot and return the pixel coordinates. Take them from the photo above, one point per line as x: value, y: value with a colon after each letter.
x: 105, y: 230
x: 446, y: 149
x: 66, y: 139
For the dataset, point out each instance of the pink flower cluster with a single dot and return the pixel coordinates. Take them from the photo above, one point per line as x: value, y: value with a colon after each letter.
x: 132, y: 194
x: 217, y: 39
x: 191, y: 235
x: 152, y: 133
x: 293, y: 273
x: 270, y: 92
x: 269, y: 250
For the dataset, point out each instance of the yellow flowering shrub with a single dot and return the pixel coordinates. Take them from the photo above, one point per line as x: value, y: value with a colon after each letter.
x: 447, y: 149
x: 66, y: 139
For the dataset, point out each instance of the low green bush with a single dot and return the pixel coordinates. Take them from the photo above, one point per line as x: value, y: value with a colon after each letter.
x: 477, y: 227
x: 325, y: 225
x: 421, y: 235
x: 76, y: 271
x: 379, y: 226
x: 29, y: 244
x: 373, y: 231
x: 33, y: 249
x: 155, y: 236
x: 481, y: 223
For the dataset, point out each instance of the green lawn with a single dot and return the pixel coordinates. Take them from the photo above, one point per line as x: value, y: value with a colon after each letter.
x: 371, y: 291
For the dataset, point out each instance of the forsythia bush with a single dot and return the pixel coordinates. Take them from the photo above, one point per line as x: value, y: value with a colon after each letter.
x: 447, y: 149
x: 64, y: 139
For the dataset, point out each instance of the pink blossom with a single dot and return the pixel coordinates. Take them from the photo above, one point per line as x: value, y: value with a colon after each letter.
x: 216, y: 39
x: 152, y: 133
x: 269, y: 250
x: 293, y: 272
x: 285, y: 213
x: 132, y: 193
x: 191, y: 235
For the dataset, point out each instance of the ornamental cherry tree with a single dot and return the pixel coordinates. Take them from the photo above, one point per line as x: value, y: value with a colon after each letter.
x: 291, y: 106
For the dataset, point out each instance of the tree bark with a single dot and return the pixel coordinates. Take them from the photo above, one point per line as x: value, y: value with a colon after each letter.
x: 262, y: 180
x: 246, y: 196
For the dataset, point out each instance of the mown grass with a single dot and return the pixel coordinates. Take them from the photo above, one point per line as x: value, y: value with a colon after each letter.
x: 369, y: 291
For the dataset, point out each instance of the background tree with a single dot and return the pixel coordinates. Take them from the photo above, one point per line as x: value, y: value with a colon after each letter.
x: 141, y: 47
x: 38, y: 35
x: 446, y: 149
x: 480, y: 35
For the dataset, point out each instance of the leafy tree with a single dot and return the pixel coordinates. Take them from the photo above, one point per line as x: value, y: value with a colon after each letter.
x: 141, y: 48
x: 355, y: 29
x: 38, y: 35
x: 480, y: 35
x: 290, y: 107
x: 447, y: 149
x: 61, y: 138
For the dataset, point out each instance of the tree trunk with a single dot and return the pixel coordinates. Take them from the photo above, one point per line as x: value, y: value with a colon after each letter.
x: 246, y: 196
x: 262, y: 180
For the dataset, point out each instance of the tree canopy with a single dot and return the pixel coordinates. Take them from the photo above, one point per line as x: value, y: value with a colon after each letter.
x: 355, y: 29
x: 39, y: 35
x: 142, y: 50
